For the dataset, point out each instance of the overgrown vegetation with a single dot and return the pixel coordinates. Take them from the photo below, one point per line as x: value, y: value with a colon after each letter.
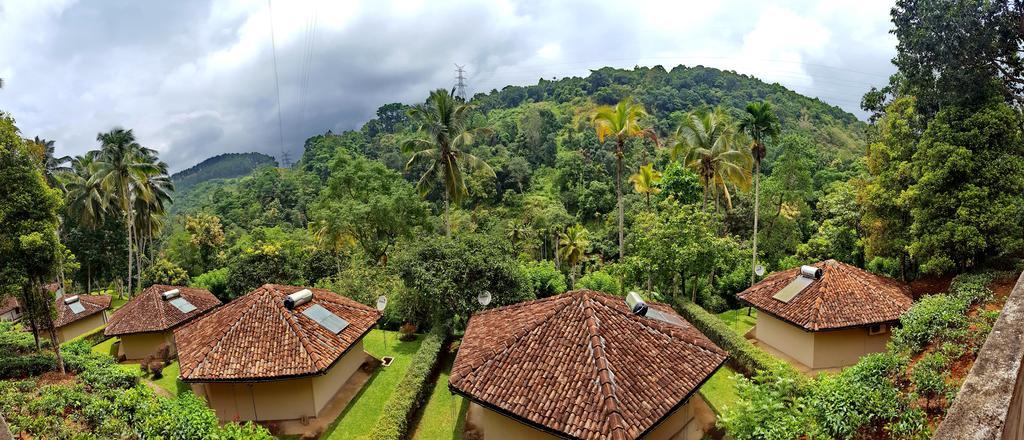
x: 411, y: 391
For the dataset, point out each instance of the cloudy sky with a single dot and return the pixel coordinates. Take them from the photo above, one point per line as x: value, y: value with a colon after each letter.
x: 195, y: 78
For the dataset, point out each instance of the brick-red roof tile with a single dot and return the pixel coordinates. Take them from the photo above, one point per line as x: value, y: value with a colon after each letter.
x: 93, y: 304
x: 8, y: 304
x: 845, y: 296
x: 255, y: 337
x: 582, y: 365
x: 148, y: 312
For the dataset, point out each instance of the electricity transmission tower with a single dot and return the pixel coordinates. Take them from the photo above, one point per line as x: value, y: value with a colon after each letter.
x: 460, y: 87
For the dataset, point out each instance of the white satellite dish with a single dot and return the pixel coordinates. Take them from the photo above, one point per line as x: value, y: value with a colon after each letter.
x: 759, y: 270
x: 382, y: 302
x: 484, y: 298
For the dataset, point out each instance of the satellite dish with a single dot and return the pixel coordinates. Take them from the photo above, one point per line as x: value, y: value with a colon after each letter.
x: 382, y: 302
x: 484, y: 298
x: 759, y: 270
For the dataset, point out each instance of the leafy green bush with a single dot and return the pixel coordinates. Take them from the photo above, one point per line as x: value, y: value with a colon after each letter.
x: 600, y: 281
x: 216, y: 281
x: 393, y: 423
x: 13, y: 340
x: 742, y: 354
x: 26, y: 365
x: 163, y: 271
x: 770, y: 407
x: 942, y: 316
x: 545, y: 279
x: 929, y: 376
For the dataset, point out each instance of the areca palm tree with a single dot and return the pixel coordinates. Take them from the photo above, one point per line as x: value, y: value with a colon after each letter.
x: 646, y: 182
x: 122, y: 166
x: 573, y: 244
x: 709, y: 143
x: 622, y: 122
x: 761, y: 124
x: 446, y: 128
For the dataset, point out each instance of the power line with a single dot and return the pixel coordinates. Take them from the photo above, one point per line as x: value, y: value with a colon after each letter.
x: 277, y: 85
x: 460, y: 87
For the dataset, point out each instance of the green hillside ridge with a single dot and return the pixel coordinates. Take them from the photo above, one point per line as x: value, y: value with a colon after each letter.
x: 221, y: 166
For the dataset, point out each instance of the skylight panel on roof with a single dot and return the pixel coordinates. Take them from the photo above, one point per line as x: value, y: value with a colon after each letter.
x: 76, y: 307
x: 182, y: 304
x: 325, y: 318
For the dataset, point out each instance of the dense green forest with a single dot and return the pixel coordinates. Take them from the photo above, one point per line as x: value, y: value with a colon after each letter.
x: 221, y: 166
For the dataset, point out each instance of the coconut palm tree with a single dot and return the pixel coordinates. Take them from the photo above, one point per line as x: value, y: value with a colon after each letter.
x: 152, y: 197
x: 708, y: 142
x: 573, y: 245
x: 761, y: 124
x: 446, y: 127
x: 121, y: 166
x: 84, y: 194
x: 51, y: 165
x: 622, y: 122
x: 646, y: 182
x: 517, y: 231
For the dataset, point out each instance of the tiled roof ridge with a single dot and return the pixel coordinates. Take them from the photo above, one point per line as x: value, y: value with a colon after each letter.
x: 224, y: 335
x: 606, y: 376
x: 541, y: 323
x: 670, y: 331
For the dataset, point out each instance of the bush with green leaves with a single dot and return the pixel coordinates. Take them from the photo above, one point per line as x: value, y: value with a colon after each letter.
x: 216, y: 281
x: 365, y: 282
x: 771, y: 406
x: 929, y: 377
x: 410, y: 393
x: 600, y: 281
x: 742, y: 354
x: 163, y: 271
x: 943, y: 316
x: 26, y: 365
x: 545, y: 279
x: 13, y: 340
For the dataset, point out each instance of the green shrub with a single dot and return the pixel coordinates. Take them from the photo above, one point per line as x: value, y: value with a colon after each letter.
x: 941, y: 317
x: 216, y: 281
x: 13, y: 340
x: 545, y: 279
x: 929, y: 376
x: 26, y: 365
x: 93, y: 337
x: 743, y: 355
x: 600, y: 281
x: 770, y: 407
x: 393, y: 423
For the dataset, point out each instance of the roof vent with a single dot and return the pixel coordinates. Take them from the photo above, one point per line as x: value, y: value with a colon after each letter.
x: 171, y: 294
x: 71, y: 299
x: 636, y: 304
x: 808, y: 274
x: 298, y: 298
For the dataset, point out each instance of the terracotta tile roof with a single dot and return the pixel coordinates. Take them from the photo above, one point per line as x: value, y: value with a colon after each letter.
x: 148, y: 312
x: 845, y: 296
x: 93, y: 304
x: 581, y: 365
x: 8, y: 304
x: 256, y: 338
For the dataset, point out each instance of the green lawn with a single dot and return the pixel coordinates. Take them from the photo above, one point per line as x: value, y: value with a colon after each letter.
x: 168, y: 380
x: 362, y: 412
x: 444, y: 414
x: 106, y: 347
x: 720, y: 390
x: 738, y: 320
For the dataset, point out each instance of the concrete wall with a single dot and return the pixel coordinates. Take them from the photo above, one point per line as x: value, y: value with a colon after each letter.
x: 681, y: 425
x: 786, y: 338
x: 139, y: 345
x: 840, y: 348
x: 326, y: 386
x: 81, y: 327
x: 989, y: 404
x: 282, y: 399
x: 12, y: 315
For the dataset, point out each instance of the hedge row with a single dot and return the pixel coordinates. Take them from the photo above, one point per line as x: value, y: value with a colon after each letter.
x: 93, y: 337
x: 393, y: 423
x: 743, y: 356
x: 32, y: 364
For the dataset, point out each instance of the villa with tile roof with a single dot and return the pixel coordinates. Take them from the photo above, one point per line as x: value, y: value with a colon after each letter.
x: 583, y: 365
x: 277, y: 353
x: 826, y: 315
x: 79, y: 314
x: 148, y: 320
x: 10, y: 309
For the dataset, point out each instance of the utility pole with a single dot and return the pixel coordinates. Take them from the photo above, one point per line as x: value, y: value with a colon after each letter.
x: 460, y: 87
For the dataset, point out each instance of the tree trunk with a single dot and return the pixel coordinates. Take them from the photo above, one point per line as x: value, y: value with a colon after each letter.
x: 757, y: 212
x: 447, y: 221
x: 30, y: 310
x: 56, y: 349
x: 618, y: 196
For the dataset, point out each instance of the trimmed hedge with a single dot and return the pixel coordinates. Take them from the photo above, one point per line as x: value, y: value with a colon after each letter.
x: 393, y: 423
x: 25, y: 365
x: 93, y: 337
x: 743, y: 356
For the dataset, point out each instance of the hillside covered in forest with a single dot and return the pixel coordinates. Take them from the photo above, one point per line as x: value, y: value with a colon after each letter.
x: 221, y: 166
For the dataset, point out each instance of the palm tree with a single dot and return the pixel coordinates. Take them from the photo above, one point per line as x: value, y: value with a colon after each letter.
x: 445, y: 123
x: 573, y: 245
x: 122, y: 166
x: 333, y: 235
x: 706, y: 142
x: 646, y: 182
x: 151, y: 198
x: 621, y: 122
x: 84, y: 194
x: 52, y: 165
x: 517, y: 231
x: 761, y: 124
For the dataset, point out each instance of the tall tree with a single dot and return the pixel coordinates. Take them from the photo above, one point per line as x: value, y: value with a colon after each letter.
x: 573, y: 245
x: 446, y: 128
x: 207, y: 235
x: 709, y: 143
x: 761, y: 124
x: 646, y: 182
x: 52, y: 165
x: 29, y: 247
x: 622, y: 122
x: 122, y: 166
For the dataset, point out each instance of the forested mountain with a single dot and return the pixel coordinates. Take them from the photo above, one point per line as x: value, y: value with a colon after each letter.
x: 221, y: 166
